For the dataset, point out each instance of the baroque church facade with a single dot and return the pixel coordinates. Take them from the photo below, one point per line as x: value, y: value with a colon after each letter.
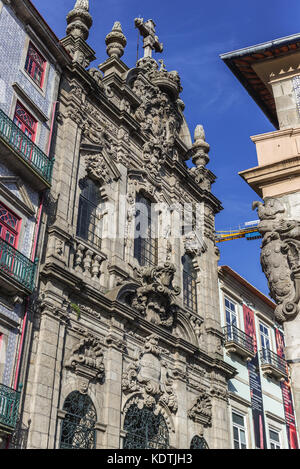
x: 126, y: 348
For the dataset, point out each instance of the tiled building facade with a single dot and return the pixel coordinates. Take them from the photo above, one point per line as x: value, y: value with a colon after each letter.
x: 31, y: 64
x: 261, y: 407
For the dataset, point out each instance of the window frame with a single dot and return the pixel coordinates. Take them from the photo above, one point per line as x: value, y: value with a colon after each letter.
x: 239, y: 428
x: 25, y: 127
x: 91, y: 208
x: 275, y: 430
x: 234, y: 303
x: 189, y: 283
x: 146, y: 247
x: 39, y: 83
x: 7, y: 229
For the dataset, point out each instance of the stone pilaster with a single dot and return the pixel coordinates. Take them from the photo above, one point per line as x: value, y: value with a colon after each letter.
x: 43, y: 382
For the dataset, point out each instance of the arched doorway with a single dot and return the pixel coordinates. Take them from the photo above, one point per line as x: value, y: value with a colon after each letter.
x: 145, y: 430
x: 199, y: 442
x: 78, y: 426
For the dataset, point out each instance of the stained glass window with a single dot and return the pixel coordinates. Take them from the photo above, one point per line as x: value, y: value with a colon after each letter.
x: 35, y: 65
x: 78, y: 427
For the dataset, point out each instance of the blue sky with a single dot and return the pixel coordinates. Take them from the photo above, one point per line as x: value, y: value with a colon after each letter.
x: 195, y: 33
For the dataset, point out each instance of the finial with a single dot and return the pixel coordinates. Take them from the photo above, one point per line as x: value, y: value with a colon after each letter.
x: 116, y: 41
x: 200, y: 147
x: 79, y: 20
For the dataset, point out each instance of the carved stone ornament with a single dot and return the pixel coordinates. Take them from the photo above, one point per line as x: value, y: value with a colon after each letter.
x: 193, y: 244
x: 280, y: 257
x: 159, y: 118
x: 201, y: 412
x: 145, y: 377
x: 200, y: 158
x: 155, y: 298
x: 87, y: 358
x: 116, y: 41
x: 100, y: 150
x: 79, y: 20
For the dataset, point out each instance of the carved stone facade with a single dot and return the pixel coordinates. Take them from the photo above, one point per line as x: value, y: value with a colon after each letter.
x: 112, y: 327
x: 280, y: 257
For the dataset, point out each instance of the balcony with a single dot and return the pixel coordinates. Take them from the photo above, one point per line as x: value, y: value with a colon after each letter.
x: 23, y: 156
x: 17, y: 272
x: 272, y: 365
x: 236, y: 341
x: 9, y: 408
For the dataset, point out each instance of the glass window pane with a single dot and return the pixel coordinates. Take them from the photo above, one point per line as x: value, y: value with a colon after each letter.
x: 236, y: 418
x: 274, y: 436
x: 243, y: 437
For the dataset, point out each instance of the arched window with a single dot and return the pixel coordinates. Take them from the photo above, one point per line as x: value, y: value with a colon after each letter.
x: 189, y: 283
x: 199, y: 443
x: 78, y: 427
x: 145, y: 430
x: 145, y: 240
x: 89, y: 227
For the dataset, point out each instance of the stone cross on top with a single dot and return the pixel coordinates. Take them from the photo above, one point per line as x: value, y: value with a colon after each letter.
x: 151, y: 41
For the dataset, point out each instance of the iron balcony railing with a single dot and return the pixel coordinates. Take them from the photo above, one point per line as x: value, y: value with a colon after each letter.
x: 270, y: 358
x: 233, y: 334
x: 9, y: 406
x: 17, y: 266
x: 28, y: 150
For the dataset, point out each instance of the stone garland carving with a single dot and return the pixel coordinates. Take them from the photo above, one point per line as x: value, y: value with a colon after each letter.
x: 87, y: 358
x: 144, y: 376
x: 155, y: 298
x: 280, y: 257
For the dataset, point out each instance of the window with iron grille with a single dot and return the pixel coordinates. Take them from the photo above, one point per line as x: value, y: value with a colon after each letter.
x: 89, y: 224
x: 189, y: 283
x: 145, y: 429
x: 145, y: 242
x: 35, y: 65
x: 78, y: 427
x: 198, y: 442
